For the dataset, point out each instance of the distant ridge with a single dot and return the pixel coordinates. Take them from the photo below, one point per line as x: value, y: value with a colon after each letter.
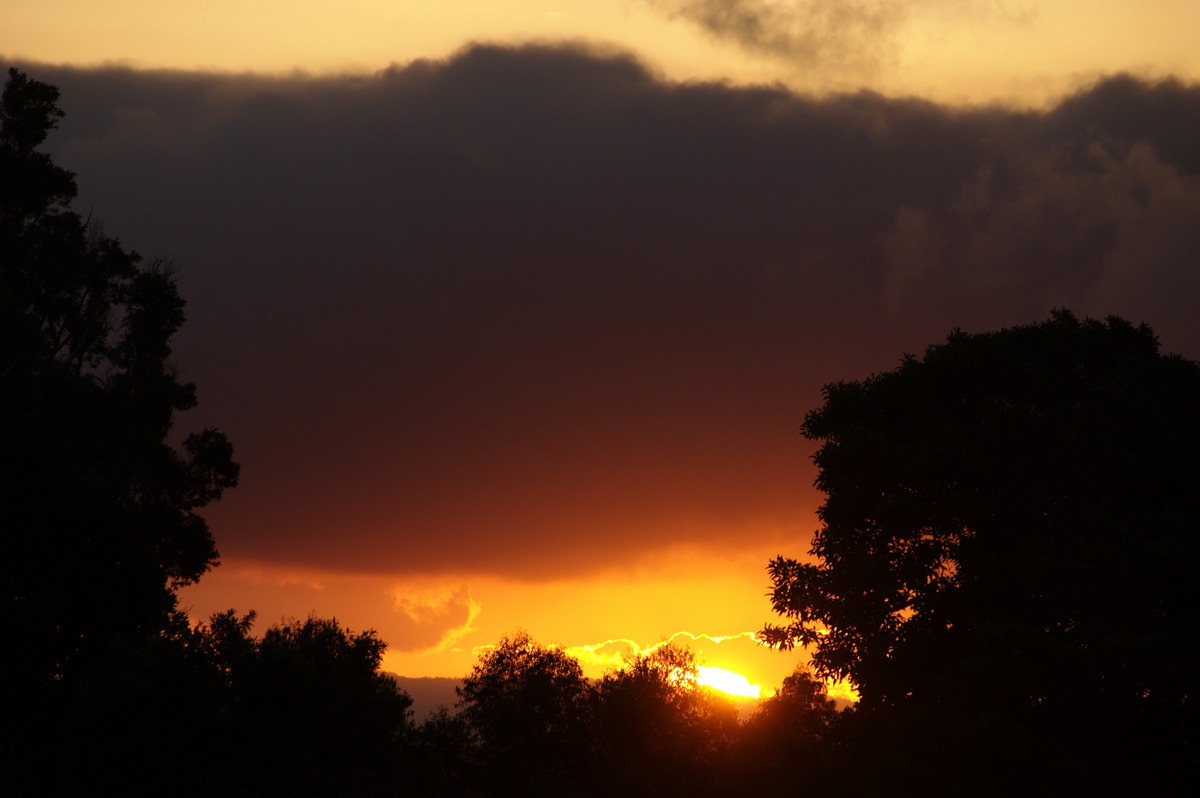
x: 428, y: 693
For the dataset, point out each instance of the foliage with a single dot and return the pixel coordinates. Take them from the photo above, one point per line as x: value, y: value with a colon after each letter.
x: 302, y: 710
x: 526, y: 707
x: 307, y: 710
x: 99, y: 511
x: 445, y: 749
x: 795, y: 724
x: 800, y: 710
x: 659, y: 731
x: 1009, y: 538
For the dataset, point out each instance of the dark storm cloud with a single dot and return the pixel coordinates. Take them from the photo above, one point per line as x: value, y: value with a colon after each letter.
x: 532, y: 311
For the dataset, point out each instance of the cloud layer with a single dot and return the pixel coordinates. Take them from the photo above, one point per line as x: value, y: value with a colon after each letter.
x: 533, y: 312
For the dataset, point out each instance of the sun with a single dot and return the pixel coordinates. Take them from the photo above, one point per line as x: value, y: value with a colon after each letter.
x: 728, y: 682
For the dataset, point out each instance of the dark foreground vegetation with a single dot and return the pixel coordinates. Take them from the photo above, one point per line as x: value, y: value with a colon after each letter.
x: 1007, y: 569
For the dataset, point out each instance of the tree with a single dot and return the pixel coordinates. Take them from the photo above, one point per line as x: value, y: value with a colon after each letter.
x: 99, y: 510
x: 526, y: 708
x: 1010, y: 539
x: 799, y: 713
x: 309, y: 711
x: 787, y: 732
x: 444, y: 746
x: 303, y: 710
x: 659, y: 731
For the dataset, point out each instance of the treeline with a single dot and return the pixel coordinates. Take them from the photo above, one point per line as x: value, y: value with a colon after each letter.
x: 303, y: 710
x: 212, y: 709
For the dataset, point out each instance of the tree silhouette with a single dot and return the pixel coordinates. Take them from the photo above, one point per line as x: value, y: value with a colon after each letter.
x: 303, y: 710
x: 309, y: 712
x: 525, y: 706
x: 1009, y: 548
x: 447, y: 752
x: 789, y: 729
x: 98, y: 509
x: 659, y: 732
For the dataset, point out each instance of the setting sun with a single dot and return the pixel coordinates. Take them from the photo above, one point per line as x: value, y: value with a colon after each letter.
x: 728, y: 682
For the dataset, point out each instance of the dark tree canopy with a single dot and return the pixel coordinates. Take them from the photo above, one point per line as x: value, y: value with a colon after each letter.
x: 794, y: 725
x: 209, y: 709
x: 799, y: 713
x: 1012, y: 525
x: 306, y: 710
x: 525, y: 705
x: 659, y: 731
x: 98, y: 508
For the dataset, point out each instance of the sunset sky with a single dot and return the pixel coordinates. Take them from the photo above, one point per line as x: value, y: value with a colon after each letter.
x: 513, y: 309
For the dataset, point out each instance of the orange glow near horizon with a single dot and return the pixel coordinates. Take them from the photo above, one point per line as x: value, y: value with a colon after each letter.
x: 438, y: 626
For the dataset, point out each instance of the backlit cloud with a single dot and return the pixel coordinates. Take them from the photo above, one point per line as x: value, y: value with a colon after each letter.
x: 440, y: 615
x: 609, y: 655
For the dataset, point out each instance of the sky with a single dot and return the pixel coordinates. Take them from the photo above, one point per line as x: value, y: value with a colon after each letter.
x: 513, y: 311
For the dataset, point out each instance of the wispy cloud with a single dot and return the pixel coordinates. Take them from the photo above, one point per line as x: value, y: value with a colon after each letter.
x: 452, y: 636
x: 614, y: 653
x: 853, y: 37
x: 436, y: 615
x: 809, y: 33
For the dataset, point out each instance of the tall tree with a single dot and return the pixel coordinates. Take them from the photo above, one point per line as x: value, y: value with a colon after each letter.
x: 1011, y: 537
x: 99, y: 511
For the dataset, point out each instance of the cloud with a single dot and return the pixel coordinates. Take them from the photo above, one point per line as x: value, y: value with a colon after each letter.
x: 436, y: 616
x: 810, y: 33
x: 616, y: 653
x: 432, y: 618
x: 533, y: 312
x: 849, y: 37
x: 416, y: 617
